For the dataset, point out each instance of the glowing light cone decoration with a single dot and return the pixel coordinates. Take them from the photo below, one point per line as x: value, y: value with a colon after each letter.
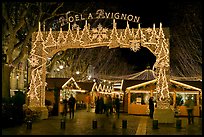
x: 161, y: 68
x: 46, y: 44
x: 37, y: 61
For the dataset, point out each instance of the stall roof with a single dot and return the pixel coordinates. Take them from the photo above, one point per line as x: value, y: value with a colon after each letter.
x: 86, y: 85
x: 59, y: 82
x: 195, y: 85
x: 183, y: 84
x: 142, y: 84
x: 55, y: 82
x: 129, y: 83
x: 71, y: 80
x: 100, y: 87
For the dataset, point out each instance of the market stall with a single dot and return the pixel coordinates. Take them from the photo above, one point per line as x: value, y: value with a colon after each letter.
x: 78, y: 89
x: 179, y: 92
x: 138, y: 97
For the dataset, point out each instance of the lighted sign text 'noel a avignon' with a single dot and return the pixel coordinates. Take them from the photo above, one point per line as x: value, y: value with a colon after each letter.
x: 100, y: 14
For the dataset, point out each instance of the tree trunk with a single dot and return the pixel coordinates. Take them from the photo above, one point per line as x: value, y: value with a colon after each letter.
x: 5, y: 81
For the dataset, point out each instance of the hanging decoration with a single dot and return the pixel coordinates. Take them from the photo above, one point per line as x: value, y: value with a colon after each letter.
x: 102, y: 88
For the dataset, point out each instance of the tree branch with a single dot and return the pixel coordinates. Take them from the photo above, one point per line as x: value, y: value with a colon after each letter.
x: 54, y: 59
x: 53, y: 14
x: 5, y: 15
x: 18, y: 44
x: 14, y: 62
x: 21, y: 22
x: 24, y: 47
x: 20, y: 57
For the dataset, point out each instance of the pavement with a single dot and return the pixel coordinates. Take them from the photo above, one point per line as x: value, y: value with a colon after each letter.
x: 82, y: 124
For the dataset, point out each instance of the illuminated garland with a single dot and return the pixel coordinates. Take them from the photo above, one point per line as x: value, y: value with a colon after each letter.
x: 102, y: 89
x: 38, y: 62
x: 85, y: 37
x: 71, y: 80
x: 128, y: 35
x: 162, y: 66
x: 114, y: 37
x: 42, y: 49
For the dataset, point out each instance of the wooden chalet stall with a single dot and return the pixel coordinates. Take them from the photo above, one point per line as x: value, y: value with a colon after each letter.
x: 135, y: 79
x: 139, y: 93
x: 81, y: 96
x: 52, y: 93
x: 111, y: 88
x: 117, y: 90
x: 138, y: 96
x: 100, y: 90
x: 182, y: 91
x: 78, y: 89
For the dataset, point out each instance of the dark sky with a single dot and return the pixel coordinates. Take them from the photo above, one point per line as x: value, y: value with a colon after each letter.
x: 150, y: 11
x: 169, y: 12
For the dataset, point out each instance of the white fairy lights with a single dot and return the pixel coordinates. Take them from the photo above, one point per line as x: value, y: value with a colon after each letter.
x: 153, y: 39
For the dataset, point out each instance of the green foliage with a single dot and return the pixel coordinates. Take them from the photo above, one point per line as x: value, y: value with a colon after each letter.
x: 179, y: 100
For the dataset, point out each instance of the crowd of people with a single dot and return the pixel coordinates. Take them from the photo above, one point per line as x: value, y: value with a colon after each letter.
x: 107, y: 105
x: 103, y: 105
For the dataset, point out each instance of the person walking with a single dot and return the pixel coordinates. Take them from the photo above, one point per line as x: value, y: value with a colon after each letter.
x: 189, y: 106
x: 117, y: 105
x: 88, y: 103
x: 106, y: 105
x: 65, y: 102
x: 110, y: 105
x: 97, y: 105
x: 151, y: 107
x: 71, y: 103
x: 101, y: 104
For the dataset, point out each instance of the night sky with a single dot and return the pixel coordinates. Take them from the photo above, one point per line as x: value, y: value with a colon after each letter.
x: 169, y: 12
x: 149, y: 11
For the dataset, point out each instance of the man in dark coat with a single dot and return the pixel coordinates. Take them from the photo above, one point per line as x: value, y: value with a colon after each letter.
x: 101, y: 105
x: 117, y: 105
x: 151, y: 107
x: 71, y: 103
x: 65, y: 102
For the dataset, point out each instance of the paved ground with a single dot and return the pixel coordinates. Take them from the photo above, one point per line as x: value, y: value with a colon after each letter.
x: 82, y: 124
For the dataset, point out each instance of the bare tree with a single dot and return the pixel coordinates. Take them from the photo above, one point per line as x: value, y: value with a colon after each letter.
x: 20, y: 20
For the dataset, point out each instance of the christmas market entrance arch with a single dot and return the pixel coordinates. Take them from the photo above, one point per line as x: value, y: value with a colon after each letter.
x: 47, y: 43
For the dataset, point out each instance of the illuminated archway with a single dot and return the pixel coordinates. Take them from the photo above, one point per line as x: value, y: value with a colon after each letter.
x: 46, y: 44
